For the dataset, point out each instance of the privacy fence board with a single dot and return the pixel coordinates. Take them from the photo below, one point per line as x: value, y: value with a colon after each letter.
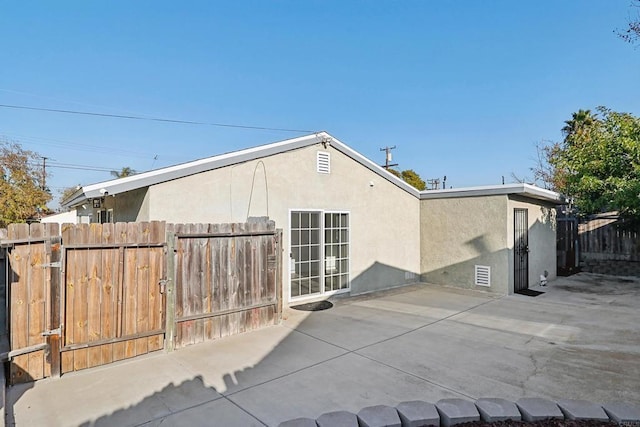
x: 225, y: 279
x: 87, y: 295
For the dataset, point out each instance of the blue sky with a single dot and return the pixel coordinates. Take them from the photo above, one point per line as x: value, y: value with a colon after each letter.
x: 463, y: 88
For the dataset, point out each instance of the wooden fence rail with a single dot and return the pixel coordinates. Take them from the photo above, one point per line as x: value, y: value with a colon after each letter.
x: 90, y: 294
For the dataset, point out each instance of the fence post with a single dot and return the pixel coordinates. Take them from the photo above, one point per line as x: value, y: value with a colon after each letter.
x: 279, y: 292
x: 54, y: 247
x: 170, y: 326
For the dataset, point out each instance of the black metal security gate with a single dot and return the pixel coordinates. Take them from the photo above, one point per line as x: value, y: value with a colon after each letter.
x: 520, y: 250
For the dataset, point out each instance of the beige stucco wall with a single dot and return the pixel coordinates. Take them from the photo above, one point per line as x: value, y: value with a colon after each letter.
x: 385, y: 240
x: 542, y: 238
x: 459, y: 233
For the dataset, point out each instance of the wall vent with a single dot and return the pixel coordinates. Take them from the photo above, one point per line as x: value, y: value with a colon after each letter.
x: 323, y: 162
x: 483, y: 275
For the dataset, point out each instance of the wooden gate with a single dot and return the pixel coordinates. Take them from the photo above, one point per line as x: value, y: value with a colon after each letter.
x: 227, y: 279
x: 113, y: 305
x: 567, y: 246
x: 33, y: 289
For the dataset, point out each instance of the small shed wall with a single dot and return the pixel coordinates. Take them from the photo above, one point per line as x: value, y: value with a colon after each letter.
x: 459, y: 233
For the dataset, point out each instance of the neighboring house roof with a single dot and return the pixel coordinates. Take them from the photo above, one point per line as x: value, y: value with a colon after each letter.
x: 146, y: 179
x: 525, y: 190
x: 157, y: 176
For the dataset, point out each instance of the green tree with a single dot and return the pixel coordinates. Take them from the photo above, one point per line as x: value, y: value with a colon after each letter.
x: 21, y: 182
x: 598, y: 162
x: 125, y: 171
x: 411, y: 177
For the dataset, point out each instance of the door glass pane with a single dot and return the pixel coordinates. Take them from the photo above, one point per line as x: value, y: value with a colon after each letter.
x: 315, y: 252
x: 295, y: 287
x: 315, y: 285
x: 306, y: 252
x: 327, y: 220
x: 327, y: 283
x: 315, y: 268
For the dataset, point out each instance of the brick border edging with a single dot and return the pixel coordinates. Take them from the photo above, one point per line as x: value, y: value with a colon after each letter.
x: 449, y: 412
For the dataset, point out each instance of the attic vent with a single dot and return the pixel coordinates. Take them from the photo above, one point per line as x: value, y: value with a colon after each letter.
x: 483, y: 275
x: 323, y: 162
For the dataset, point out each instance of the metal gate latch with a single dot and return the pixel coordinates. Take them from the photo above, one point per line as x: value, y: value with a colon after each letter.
x: 56, y: 331
x: 163, y: 284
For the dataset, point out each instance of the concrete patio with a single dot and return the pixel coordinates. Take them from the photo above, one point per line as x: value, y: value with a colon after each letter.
x: 579, y: 340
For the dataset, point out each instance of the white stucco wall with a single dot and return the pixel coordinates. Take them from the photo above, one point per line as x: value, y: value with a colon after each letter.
x: 384, y: 236
x: 459, y: 233
x: 542, y: 239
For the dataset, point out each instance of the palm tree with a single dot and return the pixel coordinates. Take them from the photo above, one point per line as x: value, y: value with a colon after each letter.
x: 580, y: 123
x: 125, y: 171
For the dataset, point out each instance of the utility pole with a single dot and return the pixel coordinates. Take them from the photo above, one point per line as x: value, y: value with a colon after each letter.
x: 44, y: 173
x: 387, y: 159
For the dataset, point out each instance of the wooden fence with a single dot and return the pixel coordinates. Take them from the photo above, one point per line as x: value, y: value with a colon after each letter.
x: 226, y: 280
x: 93, y: 294
x: 604, y: 237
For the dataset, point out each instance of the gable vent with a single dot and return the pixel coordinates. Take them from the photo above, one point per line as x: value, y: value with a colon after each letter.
x: 323, y: 162
x: 483, y: 275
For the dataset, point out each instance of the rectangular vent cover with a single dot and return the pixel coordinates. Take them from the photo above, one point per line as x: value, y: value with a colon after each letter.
x: 483, y: 275
x: 323, y: 162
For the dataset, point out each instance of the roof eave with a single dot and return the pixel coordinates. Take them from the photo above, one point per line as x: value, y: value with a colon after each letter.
x: 525, y: 190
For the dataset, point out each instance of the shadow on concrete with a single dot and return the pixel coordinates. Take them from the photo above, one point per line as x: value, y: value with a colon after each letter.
x: 188, y: 394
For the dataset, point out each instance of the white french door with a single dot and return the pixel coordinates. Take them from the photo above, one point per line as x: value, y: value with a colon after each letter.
x: 319, y: 255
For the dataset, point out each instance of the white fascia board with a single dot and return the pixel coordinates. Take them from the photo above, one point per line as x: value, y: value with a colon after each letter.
x: 146, y: 179
x: 343, y: 148
x: 525, y: 190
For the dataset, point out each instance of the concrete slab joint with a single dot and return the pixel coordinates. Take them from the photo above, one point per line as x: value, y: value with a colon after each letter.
x: 581, y: 410
x: 537, y: 409
x: 493, y: 409
x: 417, y: 413
x: 337, y: 419
x: 379, y: 416
x: 456, y: 411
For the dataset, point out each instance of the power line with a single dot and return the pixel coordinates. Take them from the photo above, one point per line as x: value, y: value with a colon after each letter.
x: 73, y: 166
x: 153, y: 119
x: 76, y: 146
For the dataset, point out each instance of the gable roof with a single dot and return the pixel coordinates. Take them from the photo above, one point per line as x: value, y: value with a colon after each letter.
x: 157, y: 176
